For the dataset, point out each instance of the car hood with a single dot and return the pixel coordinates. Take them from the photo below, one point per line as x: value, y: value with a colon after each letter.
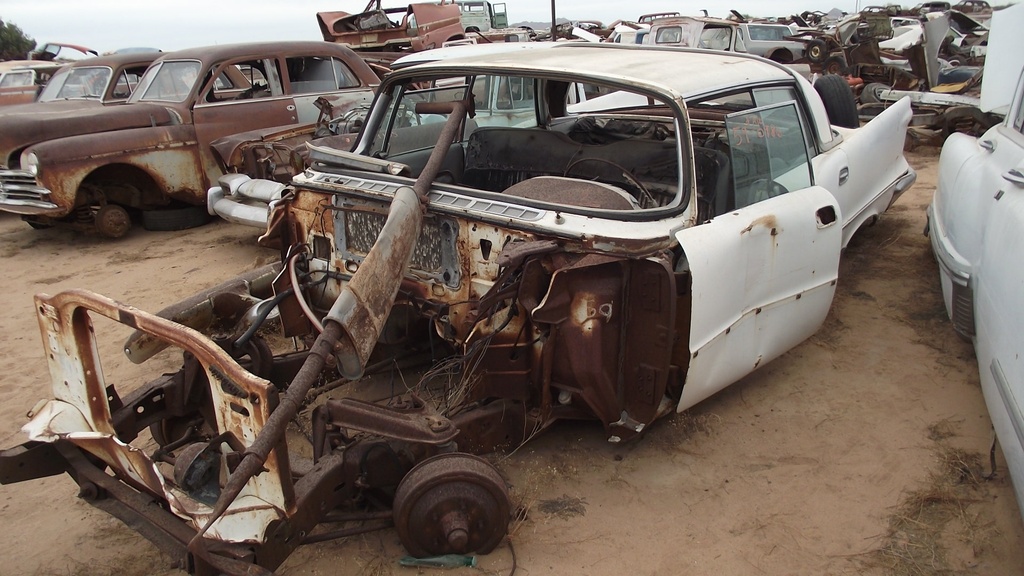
x: 51, y: 106
x: 22, y: 126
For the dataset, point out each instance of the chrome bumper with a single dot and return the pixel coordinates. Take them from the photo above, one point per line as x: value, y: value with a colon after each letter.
x: 21, y: 194
x: 242, y: 200
x: 903, y: 183
x: 958, y: 270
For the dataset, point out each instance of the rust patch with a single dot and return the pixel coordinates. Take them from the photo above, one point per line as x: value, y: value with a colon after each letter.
x: 768, y: 221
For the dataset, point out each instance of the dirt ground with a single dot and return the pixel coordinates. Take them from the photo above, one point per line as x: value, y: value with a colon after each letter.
x: 865, y: 450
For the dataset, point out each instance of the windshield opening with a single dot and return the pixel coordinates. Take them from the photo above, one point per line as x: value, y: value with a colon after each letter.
x: 77, y: 83
x: 578, y: 145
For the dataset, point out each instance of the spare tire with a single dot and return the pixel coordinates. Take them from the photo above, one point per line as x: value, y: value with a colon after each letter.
x: 838, y: 98
x: 835, y: 65
x: 171, y: 219
x: 816, y: 51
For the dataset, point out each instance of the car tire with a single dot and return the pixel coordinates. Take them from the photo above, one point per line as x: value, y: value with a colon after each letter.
x: 869, y: 94
x: 835, y: 65
x: 838, y: 99
x: 816, y: 51
x: 172, y: 219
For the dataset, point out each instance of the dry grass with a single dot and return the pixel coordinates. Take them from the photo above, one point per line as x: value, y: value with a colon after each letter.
x: 913, y: 544
x: 565, y: 507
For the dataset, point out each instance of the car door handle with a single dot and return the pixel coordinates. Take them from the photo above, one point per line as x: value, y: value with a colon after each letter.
x: 844, y: 175
x: 1014, y: 175
x: 987, y: 145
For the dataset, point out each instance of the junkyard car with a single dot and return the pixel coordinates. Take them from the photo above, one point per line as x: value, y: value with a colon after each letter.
x: 772, y: 41
x: 613, y: 259
x: 974, y: 225
x: 89, y: 168
x: 102, y: 80
x: 81, y: 85
x: 21, y: 80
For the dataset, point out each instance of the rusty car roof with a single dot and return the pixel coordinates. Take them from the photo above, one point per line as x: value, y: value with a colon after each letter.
x: 252, y: 49
x: 113, y: 60
x: 692, y: 71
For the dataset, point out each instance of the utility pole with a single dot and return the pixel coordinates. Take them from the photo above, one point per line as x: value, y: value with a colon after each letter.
x: 552, y: 20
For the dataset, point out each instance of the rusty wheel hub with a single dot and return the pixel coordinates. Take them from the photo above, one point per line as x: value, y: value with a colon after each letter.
x: 451, y: 504
x: 113, y: 221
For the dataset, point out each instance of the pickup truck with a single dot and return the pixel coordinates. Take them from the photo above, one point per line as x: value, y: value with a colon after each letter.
x: 615, y: 259
x: 96, y: 168
x: 768, y: 40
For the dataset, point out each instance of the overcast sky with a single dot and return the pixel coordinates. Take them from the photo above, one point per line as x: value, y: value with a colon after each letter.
x: 105, y: 25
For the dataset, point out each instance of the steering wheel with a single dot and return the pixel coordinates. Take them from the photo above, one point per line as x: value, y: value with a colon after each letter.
x: 647, y: 199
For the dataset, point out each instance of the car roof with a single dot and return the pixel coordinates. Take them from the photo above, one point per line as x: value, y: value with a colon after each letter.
x: 115, y: 60
x: 693, y: 71
x: 464, y: 50
x: 253, y: 50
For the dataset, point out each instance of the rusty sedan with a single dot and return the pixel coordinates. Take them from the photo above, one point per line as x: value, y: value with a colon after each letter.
x: 92, y: 168
x: 628, y: 246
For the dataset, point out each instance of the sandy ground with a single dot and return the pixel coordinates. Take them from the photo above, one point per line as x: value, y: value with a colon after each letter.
x: 864, y: 450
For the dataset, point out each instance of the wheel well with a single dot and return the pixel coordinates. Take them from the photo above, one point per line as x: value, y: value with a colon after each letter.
x: 781, y: 55
x: 126, y: 185
x: 14, y: 162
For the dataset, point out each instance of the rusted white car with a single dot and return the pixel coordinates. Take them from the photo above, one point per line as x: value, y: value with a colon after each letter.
x: 614, y: 258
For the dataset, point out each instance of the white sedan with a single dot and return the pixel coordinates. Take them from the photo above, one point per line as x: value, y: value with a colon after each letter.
x: 975, y: 225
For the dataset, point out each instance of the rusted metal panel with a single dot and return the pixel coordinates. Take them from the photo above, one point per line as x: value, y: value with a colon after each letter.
x: 73, y: 118
x: 166, y: 156
x: 377, y: 29
x: 80, y: 412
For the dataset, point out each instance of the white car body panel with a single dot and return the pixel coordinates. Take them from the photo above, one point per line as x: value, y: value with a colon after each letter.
x: 856, y: 170
x: 999, y: 317
x: 976, y: 225
x: 1002, y: 58
x: 763, y: 280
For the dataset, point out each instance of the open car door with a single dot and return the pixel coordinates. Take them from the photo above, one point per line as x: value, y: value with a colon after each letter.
x: 762, y: 274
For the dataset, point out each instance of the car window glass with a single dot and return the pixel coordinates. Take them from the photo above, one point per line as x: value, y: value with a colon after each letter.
x: 514, y: 94
x: 730, y: 102
x: 768, y: 153
x: 127, y: 80
x: 768, y: 33
x: 669, y: 35
x: 715, y: 38
x: 53, y: 87
x: 172, y: 82
x: 776, y: 95
x: 85, y: 82
x: 309, y: 74
x: 415, y: 124
x: 16, y: 79
x: 344, y: 75
x: 244, y: 80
